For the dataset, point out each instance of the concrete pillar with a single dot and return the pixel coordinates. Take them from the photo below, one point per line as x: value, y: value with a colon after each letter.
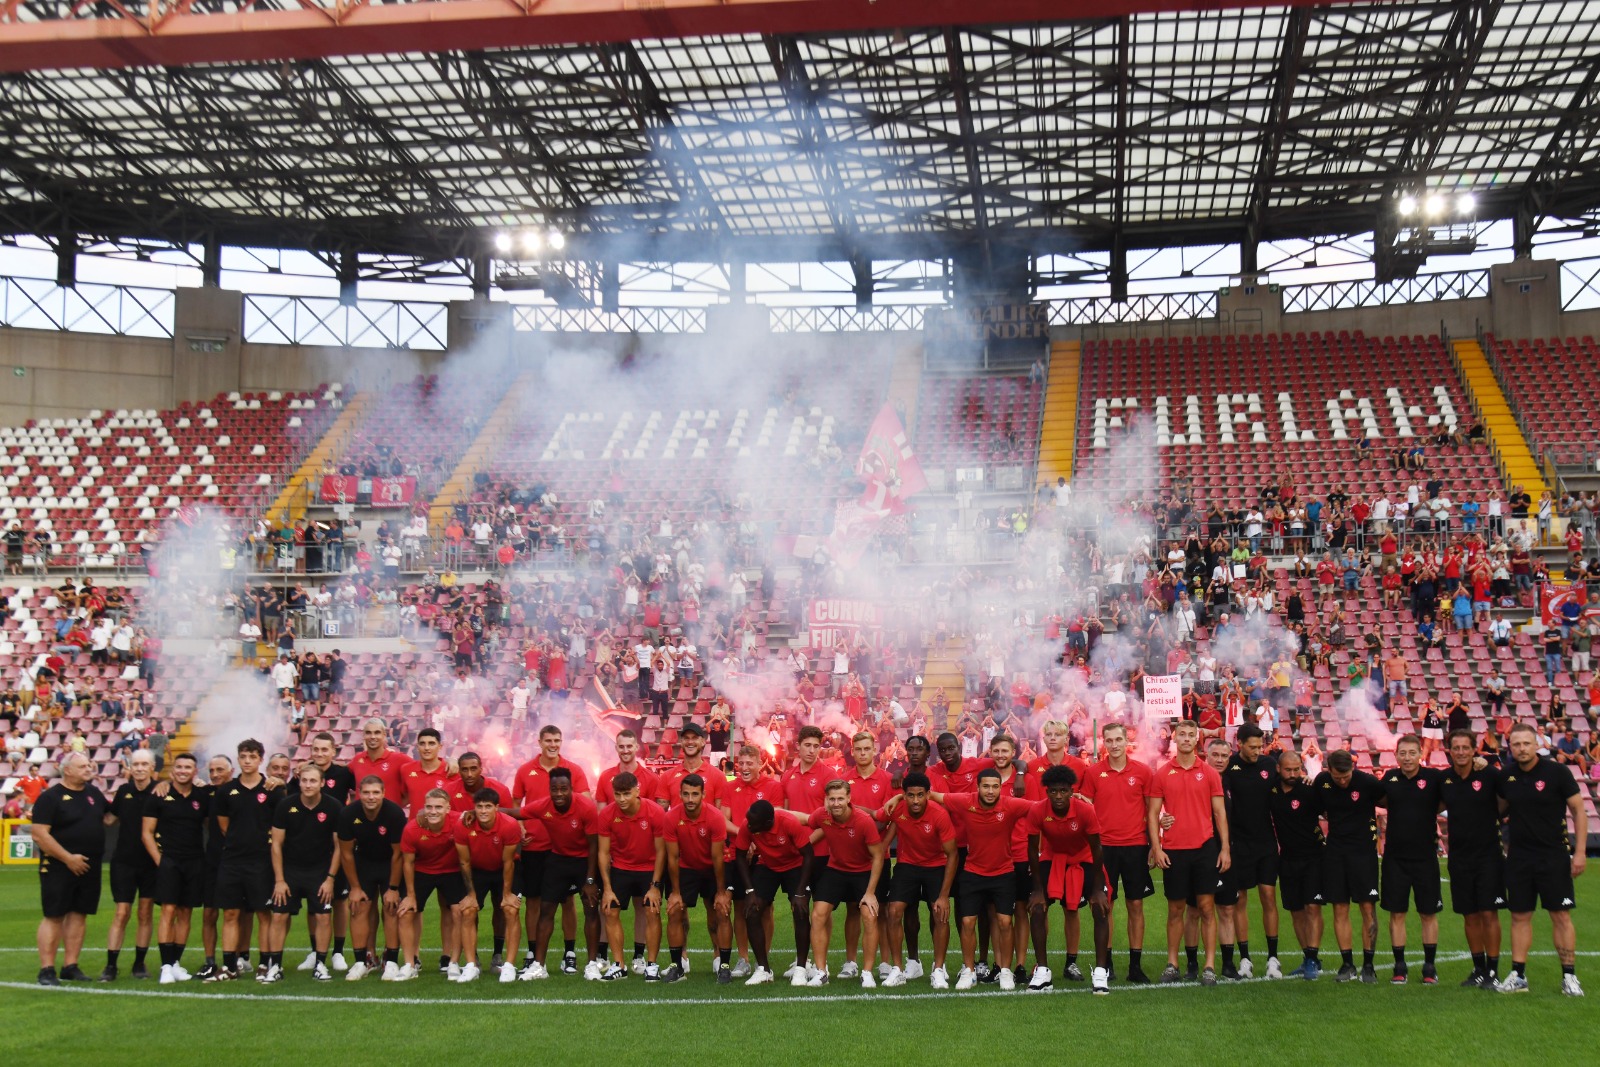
x: 1525, y: 295
x: 1250, y: 305
x: 207, y: 341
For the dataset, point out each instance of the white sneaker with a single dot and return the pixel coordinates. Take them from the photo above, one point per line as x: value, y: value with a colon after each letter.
x: 274, y: 974
x: 684, y: 966
x: 336, y: 962
x: 391, y: 972
x: 244, y: 966
x: 1100, y: 980
x: 533, y: 972
x: 938, y: 979
x: 453, y: 972
x: 167, y: 977
x: 913, y: 970
x: 867, y: 981
x: 742, y: 968
x: 308, y: 963
x: 592, y: 971
x: 851, y: 969
x: 798, y: 976
x: 759, y: 976
x: 894, y: 979
x: 1041, y: 979
x: 321, y: 973
x: 357, y: 972
x: 181, y: 974
x: 1570, y: 986
x: 1514, y: 983
x: 884, y: 967
x: 793, y: 967
x: 966, y: 979
x: 1246, y: 968
x: 1008, y: 980
x: 508, y: 973
x: 816, y: 979
x: 638, y: 965
x: 469, y: 973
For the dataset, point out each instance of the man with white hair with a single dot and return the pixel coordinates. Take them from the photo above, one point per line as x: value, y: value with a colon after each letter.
x: 133, y: 871
x: 69, y: 834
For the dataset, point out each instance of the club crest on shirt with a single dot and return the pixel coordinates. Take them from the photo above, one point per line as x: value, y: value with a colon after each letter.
x: 1477, y: 787
x: 1356, y: 795
x: 1421, y: 784
x: 1538, y: 787
x: 1294, y: 805
x: 322, y: 816
x: 383, y: 831
x: 1263, y: 774
x: 261, y: 798
x: 1199, y: 776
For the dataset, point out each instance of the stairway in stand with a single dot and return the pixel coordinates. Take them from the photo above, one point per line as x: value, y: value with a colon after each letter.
x: 1059, y: 432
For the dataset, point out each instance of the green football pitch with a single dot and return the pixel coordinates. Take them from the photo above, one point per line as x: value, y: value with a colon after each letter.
x: 568, y: 1020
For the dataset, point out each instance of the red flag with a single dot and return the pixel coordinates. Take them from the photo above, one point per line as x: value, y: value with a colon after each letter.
x: 889, y: 465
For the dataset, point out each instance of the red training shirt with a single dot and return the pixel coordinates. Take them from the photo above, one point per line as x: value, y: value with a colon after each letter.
x: 1186, y: 795
x: 633, y: 837
x: 1064, y: 837
x: 847, y: 841
x: 694, y: 837
x: 777, y: 849
x: 418, y: 782
x: 921, y: 839
x: 486, y: 847
x: 740, y: 794
x: 435, y: 849
x: 461, y: 796
x: 1119, y: 801
x: 667, y: 783
x: 989, y: 830
x: 532, y: 782
x: 567, y: 831
x: 390, y: 765
x: 647, y: 782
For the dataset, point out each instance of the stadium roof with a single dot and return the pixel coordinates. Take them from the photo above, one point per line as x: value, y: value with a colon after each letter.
x: 1138, y: 130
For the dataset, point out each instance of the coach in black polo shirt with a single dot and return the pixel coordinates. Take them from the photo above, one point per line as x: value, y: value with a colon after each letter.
x: 1536, y: 796
x: 1411, y: 855
x: 1296, y: 811
x: 243, y: 809
x: 133, y: 875
x: 69, y: 832
x: 1249, y: 780
x: 1349, y: 799
x: 1471, y: 799
x: 304, y: 862
x: 174, y: 830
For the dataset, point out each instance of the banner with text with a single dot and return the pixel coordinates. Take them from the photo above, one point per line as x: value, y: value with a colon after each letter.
x: 1553, y: 595
x: 370, y: 492
x: 1163, y: 696
x: 978, y: 333
x: 830, y: 618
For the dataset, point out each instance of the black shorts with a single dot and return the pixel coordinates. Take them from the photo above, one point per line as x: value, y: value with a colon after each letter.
x: 63, y: 893
x: 213, y: 875
x: 1253, y: 865
x: 305, y: 886
x: 486, y: 884
x: 133, y: 878
x: 766, y: 882
x: 451, y: 887
x: 1477, y: 882
x: 978, y: 892
x: 837, y: 887
x: 1349, y: 877
x: 696, y: 885
x: 1088, y: 878
x: 181, y: 883
x: 374, y: 882
x: 915, y: 885
x: 1022, y: 875
x: 341, y: 884
x: 1404, y: 878
x: 532, y: 867
x: 1192, y: 872
x: 1300, y: 882
x: 630, y: 885
x: 244, y: 885
x: 562, y: 876
x: 1544, y: 879
x: 1130, y: 865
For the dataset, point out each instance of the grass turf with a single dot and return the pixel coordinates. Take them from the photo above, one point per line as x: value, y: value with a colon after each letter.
x: 569, y: 1020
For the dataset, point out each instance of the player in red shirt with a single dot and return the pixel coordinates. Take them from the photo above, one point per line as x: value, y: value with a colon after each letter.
x: 488, y: 844
x: 532, y: 782
x: 1119, y: 787
x: 748, y: 786
x: 377, y: 758
x: 1194, y: 849
x: 427, y: 772
x: 782, y: 847
x: 855, y: 864
x: 695, y: 835
x: 1067, y: 865
x: 924, y: 871
x: 918, y: 752
x: 570, y: 823
x: 429, y: 863
x: 692, y: 742
x: 627, y: 743
x: 1055, y: 734
x: 988, y: 879
x: 632, y: 858
x: 469, y: 780
x: 1015, y: 782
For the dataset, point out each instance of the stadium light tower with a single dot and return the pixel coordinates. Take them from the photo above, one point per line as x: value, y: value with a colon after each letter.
x: 1422, y: 222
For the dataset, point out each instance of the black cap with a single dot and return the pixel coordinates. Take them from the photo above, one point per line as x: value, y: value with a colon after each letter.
x: 693, y: 728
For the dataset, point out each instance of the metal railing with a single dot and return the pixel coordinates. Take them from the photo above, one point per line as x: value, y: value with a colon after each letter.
x: 1147, y: 307
x: 126, y: 310
x: 1424, y: 288
x: 305, y: 320
x: 846, y: 319
x: 626, y: 320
